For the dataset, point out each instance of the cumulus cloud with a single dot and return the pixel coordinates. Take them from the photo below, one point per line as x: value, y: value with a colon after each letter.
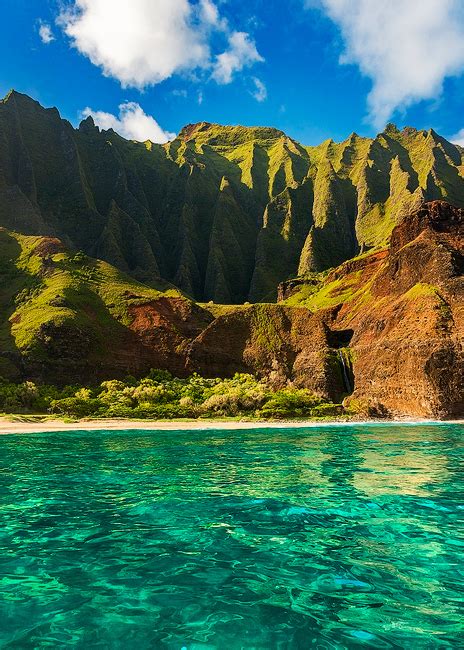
x: 260, y: 90
x: 209, y: 14
x: 241, y: 53
x: 143, y: 42
x: 45, y: 33
x: 132, y: 123
x: 458, y: 138
x: 406, y: 47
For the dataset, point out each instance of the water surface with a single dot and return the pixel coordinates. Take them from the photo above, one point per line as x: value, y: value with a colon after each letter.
x: 338, y: 537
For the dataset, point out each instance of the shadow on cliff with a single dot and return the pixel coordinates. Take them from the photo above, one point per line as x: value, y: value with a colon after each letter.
x: 12, y: 282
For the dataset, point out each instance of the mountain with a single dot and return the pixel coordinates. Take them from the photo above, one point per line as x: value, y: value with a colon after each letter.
x: 385, y: 328
x: 402, y: 310
x: 65, y: 317
x: 118, y: 256
x: 224, y: 213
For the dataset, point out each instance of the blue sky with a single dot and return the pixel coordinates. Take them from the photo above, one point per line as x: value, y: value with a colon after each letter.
x: 313, y: 68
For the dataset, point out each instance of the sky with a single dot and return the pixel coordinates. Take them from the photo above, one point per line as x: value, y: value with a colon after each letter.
x: 316, y: 69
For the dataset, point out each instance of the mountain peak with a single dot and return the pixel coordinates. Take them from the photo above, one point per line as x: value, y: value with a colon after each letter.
x: 391, y: 129
x: 219, y: 134
x: 22, y: 102
x: 88, y: 124
x: 189, y: 131
x: 16, y: 95
x: 9, y: 94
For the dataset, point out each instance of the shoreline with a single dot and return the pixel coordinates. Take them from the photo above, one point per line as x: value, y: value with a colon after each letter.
x: 50, y: 426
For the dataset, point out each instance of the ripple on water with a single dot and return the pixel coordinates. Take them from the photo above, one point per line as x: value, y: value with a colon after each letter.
x: 342, y: 537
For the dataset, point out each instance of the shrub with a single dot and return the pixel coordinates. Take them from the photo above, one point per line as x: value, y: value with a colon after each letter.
x: 198, y: 388
x: 80, y: 407
x: 290, y: 402
x: 326, y: 410
x: 161, y: 396
x: 25, y: 397
x: 160, y: 376
x: 170, y: 411
x: 233, y: 401
x: 222, y: 404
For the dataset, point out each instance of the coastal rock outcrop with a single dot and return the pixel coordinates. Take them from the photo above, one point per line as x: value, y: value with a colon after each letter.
x: 405, y: 307
x: 284, y: 344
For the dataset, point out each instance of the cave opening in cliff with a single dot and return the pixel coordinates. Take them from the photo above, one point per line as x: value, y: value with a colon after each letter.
x: 340, y: 338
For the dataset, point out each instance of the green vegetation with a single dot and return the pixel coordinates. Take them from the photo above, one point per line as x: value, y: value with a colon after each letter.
x: 162, y: 396
x: 264, y: 328
x: 225, y: 213
x: 421, y: 289
x: 328, y: 293
x: 43, y: 284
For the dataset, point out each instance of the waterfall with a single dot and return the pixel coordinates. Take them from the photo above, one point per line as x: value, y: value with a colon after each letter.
x: 346, y: 377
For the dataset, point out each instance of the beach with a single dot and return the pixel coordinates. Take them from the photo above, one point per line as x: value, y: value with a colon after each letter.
x: 9, y: 426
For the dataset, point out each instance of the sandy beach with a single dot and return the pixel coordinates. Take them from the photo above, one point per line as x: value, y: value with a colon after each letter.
x: 16, y: 426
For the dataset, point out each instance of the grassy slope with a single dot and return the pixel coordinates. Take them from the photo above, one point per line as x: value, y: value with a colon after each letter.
x: 352, y: 288
x: 40, y: 286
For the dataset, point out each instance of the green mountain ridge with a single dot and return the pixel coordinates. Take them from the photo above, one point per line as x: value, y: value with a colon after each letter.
x: 224, y: 213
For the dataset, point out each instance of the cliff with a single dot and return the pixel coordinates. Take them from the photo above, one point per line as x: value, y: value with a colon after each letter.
x: 225, y: 213
x: 114, y: 256
x: 65, y: 317
x: 385, y: 329
x: 404, y: 307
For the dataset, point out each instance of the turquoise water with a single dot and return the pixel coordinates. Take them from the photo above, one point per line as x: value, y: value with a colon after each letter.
x: 336, y: 537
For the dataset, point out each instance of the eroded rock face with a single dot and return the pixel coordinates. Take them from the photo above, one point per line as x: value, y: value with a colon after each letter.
x: 281, y: 343
x: 224, y: 213
x: 157, y: 337
x: 398, y: 313
x: 409, y: 324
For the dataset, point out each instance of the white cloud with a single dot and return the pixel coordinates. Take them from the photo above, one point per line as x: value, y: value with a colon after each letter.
x: 143, y: 42
x: 458, y: 138
x: 241, y: 53
x: 45, y: 33
x: 132, y: 123
x: 140, y: 42
x: 260, y: 90
x: 209, y: 13
x: 407, y: 47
